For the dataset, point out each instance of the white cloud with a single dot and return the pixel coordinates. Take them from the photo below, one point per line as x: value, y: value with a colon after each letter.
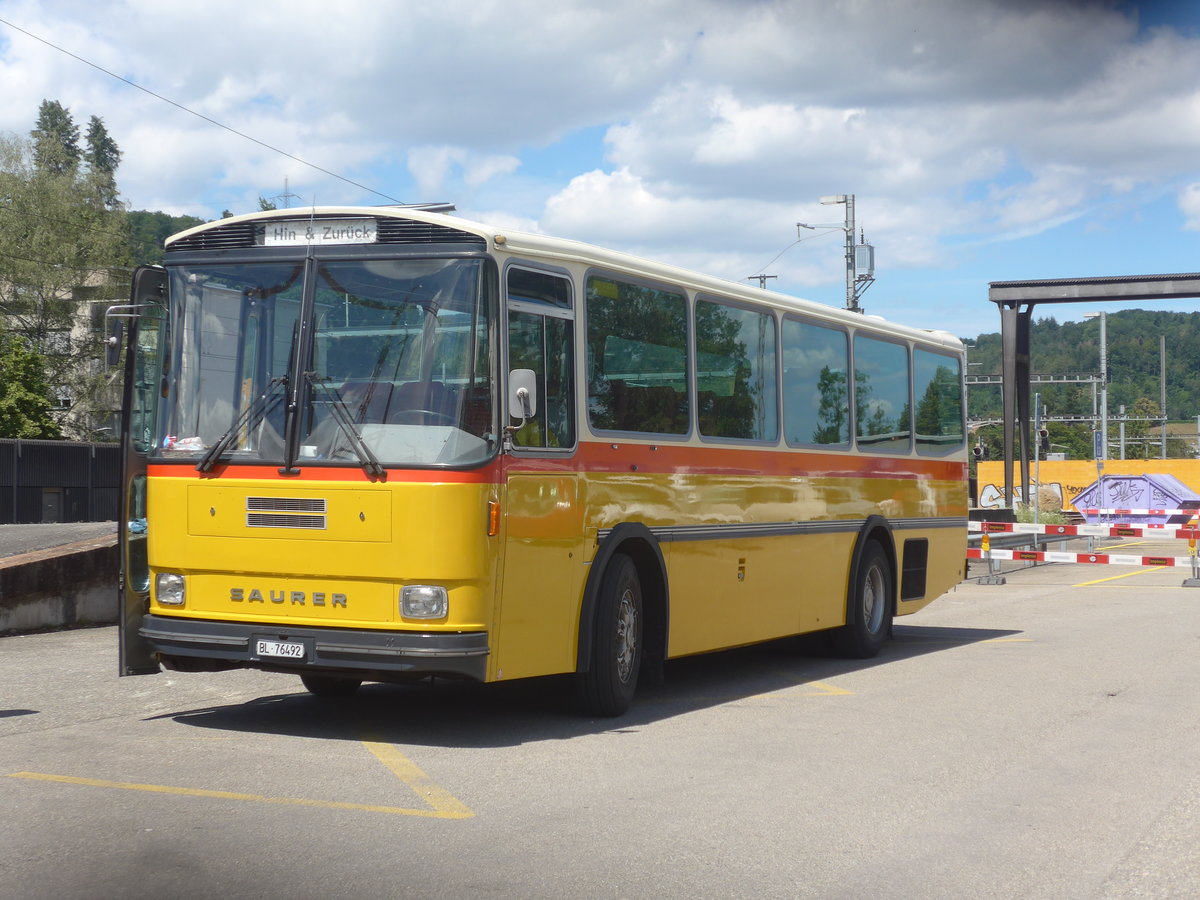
x: 953, y: 123
x: 1189, y: 203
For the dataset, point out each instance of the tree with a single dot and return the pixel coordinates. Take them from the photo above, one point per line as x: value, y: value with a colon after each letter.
x: 55, y: 140
x: 24, y: 394
x: 61, y: 249
x: 102, y: 156
x: 1137, y: 429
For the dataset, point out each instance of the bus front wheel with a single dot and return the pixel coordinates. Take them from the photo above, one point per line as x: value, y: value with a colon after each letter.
x: 330, y: 686
x: 869, y: 607
x: 607, y: 687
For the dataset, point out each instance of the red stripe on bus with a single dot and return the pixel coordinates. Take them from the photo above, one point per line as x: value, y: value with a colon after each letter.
x: 601, y: 457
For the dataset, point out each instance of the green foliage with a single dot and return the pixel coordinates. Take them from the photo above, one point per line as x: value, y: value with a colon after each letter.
x: 24, y: 394
x: 102, y: 156
x: 1046, y: 515
x: 148, y: 232
x: 1073, y: 348
x: 55, y: 140
x: 63, y: 252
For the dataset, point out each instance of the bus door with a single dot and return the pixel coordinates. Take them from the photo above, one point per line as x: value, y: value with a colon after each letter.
x: 146, y: 363
x: 543, y: 521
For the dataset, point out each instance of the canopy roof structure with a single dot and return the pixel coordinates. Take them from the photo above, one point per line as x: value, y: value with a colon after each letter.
x: 1016, y: 301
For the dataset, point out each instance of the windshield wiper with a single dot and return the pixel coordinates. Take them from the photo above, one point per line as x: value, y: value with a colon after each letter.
x: 263, y: 404
x: 368, y: 460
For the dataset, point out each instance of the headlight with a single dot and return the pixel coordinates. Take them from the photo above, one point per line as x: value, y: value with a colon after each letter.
x: 422, y: 601
x: 169, y: 589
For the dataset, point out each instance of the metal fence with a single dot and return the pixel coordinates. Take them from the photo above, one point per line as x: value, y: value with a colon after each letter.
x: 58, y: 481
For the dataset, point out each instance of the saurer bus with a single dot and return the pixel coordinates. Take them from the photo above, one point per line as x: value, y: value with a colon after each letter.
x: 385, y: 444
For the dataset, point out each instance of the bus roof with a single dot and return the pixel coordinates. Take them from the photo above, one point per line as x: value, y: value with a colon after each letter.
x: 564, y: 250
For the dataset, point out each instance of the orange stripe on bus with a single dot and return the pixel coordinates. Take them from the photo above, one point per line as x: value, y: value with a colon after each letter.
x: 612, y: 457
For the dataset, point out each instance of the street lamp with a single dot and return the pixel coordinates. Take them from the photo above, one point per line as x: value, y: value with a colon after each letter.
x: 1103, y: 317
x: 853, y: 263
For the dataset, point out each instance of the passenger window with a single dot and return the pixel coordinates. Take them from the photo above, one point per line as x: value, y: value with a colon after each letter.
x: 939, y: 419
x: 816, y: 399
x: 541, y: 338
x: 735, y: 372
x: 637, y: 358
x: 882, y: 409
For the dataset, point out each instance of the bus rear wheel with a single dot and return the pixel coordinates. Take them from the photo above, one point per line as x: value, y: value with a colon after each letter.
x: 607, y: 687
x: 331, y: 687
x: 868, y: 608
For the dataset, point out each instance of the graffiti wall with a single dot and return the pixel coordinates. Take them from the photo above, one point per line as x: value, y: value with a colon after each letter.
x: 1126, y: 484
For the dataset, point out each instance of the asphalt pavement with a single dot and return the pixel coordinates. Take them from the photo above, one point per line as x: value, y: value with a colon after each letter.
x: 1036, y: 739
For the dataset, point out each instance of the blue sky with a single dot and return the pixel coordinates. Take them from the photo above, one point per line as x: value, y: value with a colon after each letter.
x: 984, y: 141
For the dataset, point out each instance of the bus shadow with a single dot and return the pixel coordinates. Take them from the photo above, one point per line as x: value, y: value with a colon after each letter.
x: 469, y: 715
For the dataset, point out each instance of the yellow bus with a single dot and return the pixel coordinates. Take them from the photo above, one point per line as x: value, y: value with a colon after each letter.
x: 383, y: 444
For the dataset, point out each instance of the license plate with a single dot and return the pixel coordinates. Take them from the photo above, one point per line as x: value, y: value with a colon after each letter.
x: 285, y: 649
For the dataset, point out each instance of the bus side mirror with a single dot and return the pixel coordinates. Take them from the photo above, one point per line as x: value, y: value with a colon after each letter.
x: 112, y: 343
x: 522, y: 394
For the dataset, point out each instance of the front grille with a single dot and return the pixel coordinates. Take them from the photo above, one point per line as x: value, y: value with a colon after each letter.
x: 226, y: 237
x: 282, y: 520
x: 285, y: 512
x: 406, y: 231
x: 286, y: 504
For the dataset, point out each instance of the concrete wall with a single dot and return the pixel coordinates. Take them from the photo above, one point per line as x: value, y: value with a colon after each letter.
x: 66, y: 586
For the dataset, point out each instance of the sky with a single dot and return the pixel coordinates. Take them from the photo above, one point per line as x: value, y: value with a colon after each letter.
x: 990, y: 140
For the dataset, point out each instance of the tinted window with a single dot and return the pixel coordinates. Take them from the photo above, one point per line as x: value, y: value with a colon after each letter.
x: 881, y: 405
x: 541, y: 337
x: 735, y: 372
x: 637, y: 346
x: 816, y: 402
x: 939, y: 418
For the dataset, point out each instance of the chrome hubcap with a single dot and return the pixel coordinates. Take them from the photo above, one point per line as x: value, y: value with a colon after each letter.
x: 873, y: 600
x: 626, y: 636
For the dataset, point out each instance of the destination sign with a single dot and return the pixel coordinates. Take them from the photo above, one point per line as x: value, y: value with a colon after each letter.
x: 324, y: 231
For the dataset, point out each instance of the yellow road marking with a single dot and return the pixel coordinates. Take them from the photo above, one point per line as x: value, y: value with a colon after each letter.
x: 442, y: 804
x: 445, y: 804
x: 1123, y: 575
x: 826, y: 690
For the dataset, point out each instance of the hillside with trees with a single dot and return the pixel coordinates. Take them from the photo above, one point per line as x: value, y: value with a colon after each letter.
x: 1073, y: 348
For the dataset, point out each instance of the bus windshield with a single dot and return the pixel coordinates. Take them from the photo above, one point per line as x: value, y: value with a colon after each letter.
x: 397, y: 369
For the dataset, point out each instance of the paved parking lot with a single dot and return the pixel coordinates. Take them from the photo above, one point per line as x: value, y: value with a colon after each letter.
x: 1038, y: 739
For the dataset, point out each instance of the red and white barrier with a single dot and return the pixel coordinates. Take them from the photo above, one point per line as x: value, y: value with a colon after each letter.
x: 1094, y: 559
x: 1138, y: 512
x: 1189, y: 532
x: 1184, y: 532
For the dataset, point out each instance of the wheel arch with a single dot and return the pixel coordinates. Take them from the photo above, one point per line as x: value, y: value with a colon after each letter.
x: 636, y: 541
x: 877, y: 530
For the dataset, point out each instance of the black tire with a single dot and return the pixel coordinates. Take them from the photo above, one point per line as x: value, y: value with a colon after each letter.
x: 868, y: 608
x: 608, y: 686
x: 330, y: 687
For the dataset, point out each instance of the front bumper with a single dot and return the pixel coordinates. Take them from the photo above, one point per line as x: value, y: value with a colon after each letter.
x: 189, y: 643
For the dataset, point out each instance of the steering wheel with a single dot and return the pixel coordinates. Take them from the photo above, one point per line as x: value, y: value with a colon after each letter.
x: 427, y: 414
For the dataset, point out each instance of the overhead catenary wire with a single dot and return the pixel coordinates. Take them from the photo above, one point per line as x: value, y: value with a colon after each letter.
x: 198, y: 115
x: 798, y: 240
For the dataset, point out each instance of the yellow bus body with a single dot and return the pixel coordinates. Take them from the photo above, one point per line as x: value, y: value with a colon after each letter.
x: 523, y: 585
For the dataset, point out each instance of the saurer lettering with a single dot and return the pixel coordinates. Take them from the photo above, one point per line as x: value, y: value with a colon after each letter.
x: 290, y: 598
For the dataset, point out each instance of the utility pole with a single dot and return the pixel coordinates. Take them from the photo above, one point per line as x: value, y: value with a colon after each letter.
x: 858, y: 259
x: 1103, y: 317
x: 762, y: 280
x: 1162, y: 377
